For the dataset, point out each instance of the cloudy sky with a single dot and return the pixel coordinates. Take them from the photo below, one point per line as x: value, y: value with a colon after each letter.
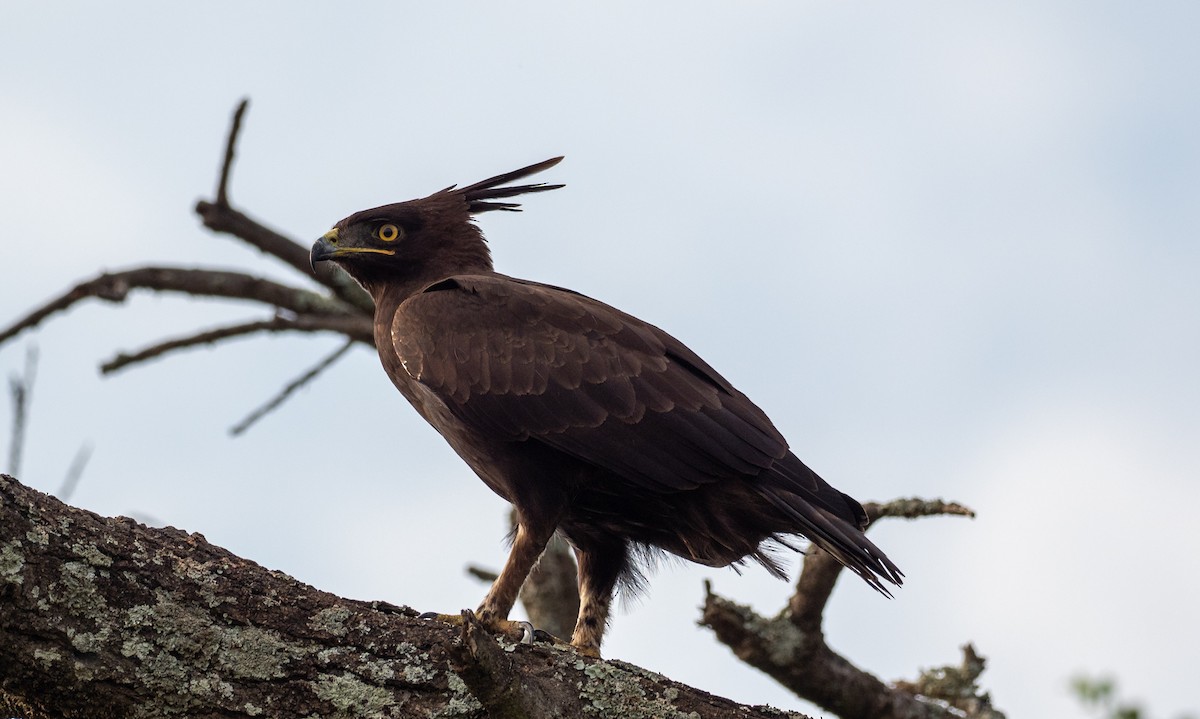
x: 950, y: 247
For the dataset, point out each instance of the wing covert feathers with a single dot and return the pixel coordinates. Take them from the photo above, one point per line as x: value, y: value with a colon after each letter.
x: 517, y: 360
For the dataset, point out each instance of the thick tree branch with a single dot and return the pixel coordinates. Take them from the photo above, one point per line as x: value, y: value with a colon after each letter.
x: 804, y: 663
x: 496, y: 680
x: 356, y: 327
x: 115, y: 287
x: 108, y: 618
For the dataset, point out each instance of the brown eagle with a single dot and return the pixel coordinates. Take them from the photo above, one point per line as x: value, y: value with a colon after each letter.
x: 591, y: 422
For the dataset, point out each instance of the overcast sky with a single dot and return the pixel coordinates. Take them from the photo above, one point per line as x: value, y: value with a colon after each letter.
x: 951, y: 248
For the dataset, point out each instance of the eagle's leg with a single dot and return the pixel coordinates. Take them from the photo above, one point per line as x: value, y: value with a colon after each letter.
x: 599, y: 569
x: 528, y: 544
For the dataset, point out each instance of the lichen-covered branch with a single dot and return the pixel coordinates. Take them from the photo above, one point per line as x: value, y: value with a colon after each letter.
x: 791, y: 647
x: 804, y: 663
x: 956, y: 686
x: 915, y: 507
x: 108, y: 618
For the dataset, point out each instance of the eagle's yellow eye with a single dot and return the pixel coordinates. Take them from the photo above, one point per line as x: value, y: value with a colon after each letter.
x: 388, y: 233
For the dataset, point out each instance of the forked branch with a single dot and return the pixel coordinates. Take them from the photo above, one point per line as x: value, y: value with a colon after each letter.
x: 792, y: 649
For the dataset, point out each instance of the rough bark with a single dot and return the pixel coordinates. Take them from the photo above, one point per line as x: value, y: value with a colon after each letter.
x: 106, y: 617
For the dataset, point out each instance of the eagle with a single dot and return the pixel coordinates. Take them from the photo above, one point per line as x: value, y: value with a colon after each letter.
x: 591, y: 422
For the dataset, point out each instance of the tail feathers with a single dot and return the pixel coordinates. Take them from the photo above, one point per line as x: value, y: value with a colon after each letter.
x: 841, y: 539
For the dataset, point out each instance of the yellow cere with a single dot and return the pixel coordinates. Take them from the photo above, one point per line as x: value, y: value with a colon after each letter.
x: 331, y: 236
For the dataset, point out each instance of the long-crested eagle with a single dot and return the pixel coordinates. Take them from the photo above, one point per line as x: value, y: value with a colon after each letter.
x: 591, y: 422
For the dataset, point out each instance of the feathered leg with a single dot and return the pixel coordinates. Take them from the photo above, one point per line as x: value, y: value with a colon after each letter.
x: 599, y: 569
x: 527, y: 546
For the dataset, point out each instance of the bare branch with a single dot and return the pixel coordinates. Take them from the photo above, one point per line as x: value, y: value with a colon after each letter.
x: 957, y: 686
x: 115, y: 287
x: 356, y: 327
x: 915, y: 507
x: 818, y: 574
x: 22, y: 388
x: 287, y: 391
x: 230, y: 146
x: 220, y: 217
x: 483, y: 574
x: 805, y: 664
x: 75, y: 472
x: 550, y: 593
x: 224, y: 219
x: 820, y: 570
x: 791, y: 647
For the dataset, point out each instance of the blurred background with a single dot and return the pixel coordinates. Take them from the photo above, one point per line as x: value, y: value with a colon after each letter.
x: 949, y: 247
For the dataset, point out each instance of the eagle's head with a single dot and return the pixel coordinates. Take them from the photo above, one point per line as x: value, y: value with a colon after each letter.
x: 421, y: 241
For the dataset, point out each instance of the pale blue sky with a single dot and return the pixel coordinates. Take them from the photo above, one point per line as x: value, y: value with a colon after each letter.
x: 950, y: 247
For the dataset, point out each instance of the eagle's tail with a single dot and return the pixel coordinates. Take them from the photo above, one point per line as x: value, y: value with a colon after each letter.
x: 830, y: 519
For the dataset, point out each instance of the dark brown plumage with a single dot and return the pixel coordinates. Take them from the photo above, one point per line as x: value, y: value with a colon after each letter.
x: 588, y: 420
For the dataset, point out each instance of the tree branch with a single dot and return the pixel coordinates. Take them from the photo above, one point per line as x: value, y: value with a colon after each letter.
x: 820, y: 570
x: 356, y: 327
x: 115, y: 287
x: 916, y: 507
x: 21, y: 387
x: 291, y: 387
x: 805, y: 664
x: 235, y: 128
x: 956, y: 686
x: 75, y: 472
x: 792, y: 649
x: 106, y: 618
x: 220, y: 217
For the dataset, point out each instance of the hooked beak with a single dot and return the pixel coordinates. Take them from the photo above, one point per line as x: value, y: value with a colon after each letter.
x: 327, y: 248
x: 323, y: 249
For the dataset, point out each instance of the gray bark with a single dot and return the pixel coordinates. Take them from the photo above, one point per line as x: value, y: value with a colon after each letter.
x: 105, y: 617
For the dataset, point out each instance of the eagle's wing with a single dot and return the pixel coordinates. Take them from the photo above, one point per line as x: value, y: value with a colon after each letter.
x: 519, y: 360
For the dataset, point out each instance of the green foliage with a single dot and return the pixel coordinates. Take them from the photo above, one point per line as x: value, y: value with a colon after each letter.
x: 1100, y: 696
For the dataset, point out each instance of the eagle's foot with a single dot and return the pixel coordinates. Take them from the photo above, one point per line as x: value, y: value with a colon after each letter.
x: 520, y: 632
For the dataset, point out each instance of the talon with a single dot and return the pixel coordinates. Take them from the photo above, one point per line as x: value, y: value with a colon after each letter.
x: 541, y: 635
x: 527, y: 632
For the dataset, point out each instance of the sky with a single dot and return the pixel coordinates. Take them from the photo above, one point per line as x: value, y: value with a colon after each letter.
x: 951, y: 248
